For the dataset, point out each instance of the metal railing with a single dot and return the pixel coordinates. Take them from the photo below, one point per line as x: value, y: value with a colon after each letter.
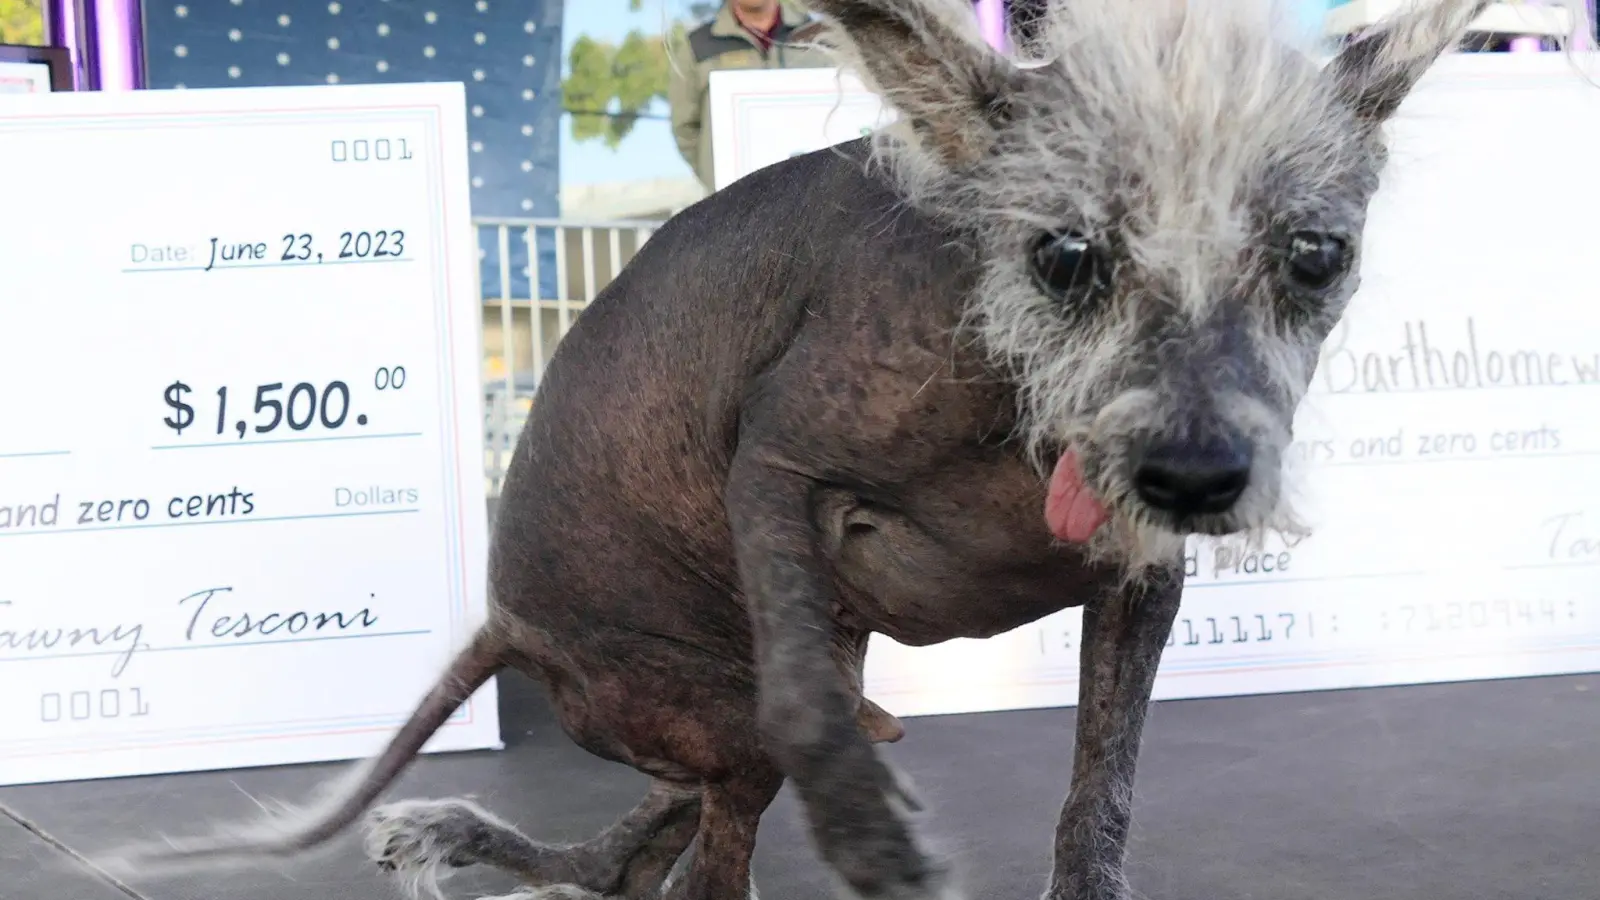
x: 536, y: 277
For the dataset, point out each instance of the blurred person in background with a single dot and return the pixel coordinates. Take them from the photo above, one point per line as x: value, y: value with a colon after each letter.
x: 744, y: 34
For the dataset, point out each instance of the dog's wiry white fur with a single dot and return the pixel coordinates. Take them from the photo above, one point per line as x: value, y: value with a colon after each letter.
x: 274, y: 836
x: 1187, y: 137
x: 415, y: 839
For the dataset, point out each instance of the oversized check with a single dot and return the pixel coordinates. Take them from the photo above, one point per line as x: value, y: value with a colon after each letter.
x: 24, y: 78
x: 762, y: 116
x: 242, y: 514
x: 1449, y: 451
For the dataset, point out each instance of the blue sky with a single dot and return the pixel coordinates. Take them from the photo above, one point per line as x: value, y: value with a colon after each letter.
x: 649, y: 151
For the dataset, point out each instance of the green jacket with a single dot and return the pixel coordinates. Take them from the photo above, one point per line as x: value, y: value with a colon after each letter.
x: 722, y: 43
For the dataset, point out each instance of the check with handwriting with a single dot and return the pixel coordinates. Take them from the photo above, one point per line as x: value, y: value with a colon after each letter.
x: 242, y: 514
x: 1448, y: 449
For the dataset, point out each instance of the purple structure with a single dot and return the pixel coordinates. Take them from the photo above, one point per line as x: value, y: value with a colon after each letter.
x: 992, y: 21
x: 105, y: 39
x: 1583, y: 40
x: 62, y: 24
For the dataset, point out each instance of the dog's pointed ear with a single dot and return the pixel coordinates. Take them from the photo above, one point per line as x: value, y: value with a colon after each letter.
x: 1374, y: 73
x: 929, y: 62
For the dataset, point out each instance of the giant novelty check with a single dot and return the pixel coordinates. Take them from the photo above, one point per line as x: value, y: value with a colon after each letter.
x: 241, y: 472
x: 1449, y: 451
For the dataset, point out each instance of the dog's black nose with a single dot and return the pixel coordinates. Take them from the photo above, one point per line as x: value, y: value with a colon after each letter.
x: 1191, y: 481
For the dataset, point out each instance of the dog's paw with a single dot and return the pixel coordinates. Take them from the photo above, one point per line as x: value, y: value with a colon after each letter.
x: 877, y: 854
x: 420, y: 840
x: 936, y: 883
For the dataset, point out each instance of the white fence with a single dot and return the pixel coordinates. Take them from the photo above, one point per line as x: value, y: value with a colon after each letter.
x: 523, y: 320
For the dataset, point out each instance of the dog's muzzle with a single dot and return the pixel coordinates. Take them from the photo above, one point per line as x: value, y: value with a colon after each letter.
x: 1188, y: 480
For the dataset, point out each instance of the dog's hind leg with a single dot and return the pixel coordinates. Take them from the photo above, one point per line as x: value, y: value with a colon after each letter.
x: 650, y: 864
x: 422, y: 840
x: 718, y: 865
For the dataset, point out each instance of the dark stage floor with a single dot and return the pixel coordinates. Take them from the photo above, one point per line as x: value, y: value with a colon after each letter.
x: 1474, y: 791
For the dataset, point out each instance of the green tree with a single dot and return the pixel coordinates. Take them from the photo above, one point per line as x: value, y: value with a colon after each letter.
x: 21, y: 22
x: 610, y: 87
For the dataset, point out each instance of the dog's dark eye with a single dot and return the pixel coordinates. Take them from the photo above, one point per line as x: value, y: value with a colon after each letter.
x: 1316, y: 260
x: 1066, y: 265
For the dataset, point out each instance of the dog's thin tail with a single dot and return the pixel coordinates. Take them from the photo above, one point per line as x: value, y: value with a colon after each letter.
x: 288, y: 831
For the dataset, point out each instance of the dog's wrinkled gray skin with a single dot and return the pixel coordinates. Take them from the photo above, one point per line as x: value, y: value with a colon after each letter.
x: 830, y: 401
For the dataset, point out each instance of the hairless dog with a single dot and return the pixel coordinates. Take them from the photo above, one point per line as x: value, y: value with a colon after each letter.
x: 998, y: 359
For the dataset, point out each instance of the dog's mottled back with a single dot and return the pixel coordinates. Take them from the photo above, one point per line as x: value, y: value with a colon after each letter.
x: 819, y: 405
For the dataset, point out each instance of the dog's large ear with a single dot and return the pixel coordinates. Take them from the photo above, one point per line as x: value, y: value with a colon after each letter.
x: 1375, y: 72
x: 929, y: 62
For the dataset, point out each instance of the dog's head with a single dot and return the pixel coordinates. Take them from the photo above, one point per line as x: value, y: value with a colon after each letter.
x: 1169, y: 208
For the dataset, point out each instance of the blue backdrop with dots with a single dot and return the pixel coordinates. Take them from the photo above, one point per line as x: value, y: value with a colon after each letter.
x: 506, y: 52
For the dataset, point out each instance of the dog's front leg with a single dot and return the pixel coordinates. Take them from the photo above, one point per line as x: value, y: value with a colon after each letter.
x: 1123, y: 636
x: 808, y: 715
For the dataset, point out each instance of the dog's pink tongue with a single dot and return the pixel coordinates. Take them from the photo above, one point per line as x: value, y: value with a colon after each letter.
x: 1072, y: 511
